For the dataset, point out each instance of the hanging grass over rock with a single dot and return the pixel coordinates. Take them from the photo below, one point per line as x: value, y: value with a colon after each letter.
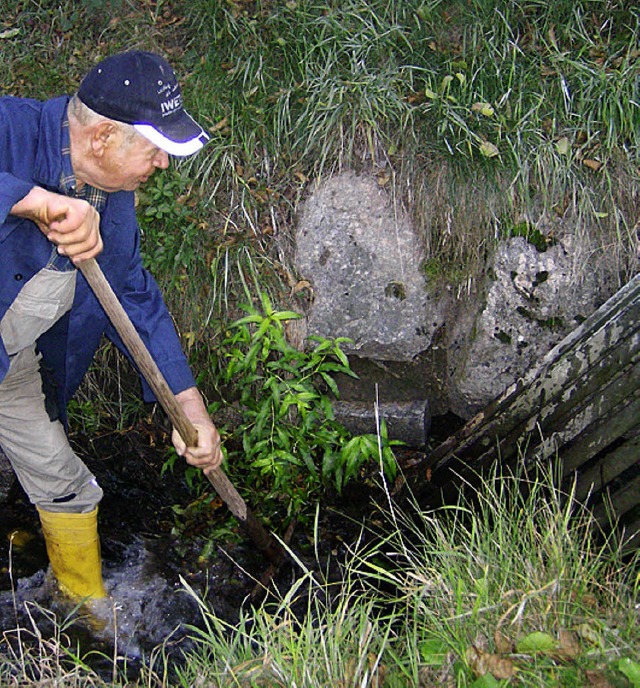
x: 535, y: 106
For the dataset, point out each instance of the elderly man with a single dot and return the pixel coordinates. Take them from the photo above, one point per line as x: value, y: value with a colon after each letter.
x: 68, y: 170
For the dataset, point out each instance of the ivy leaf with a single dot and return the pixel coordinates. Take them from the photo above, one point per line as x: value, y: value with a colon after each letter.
x: 563, y: 146
x: 631, y: 670
x: 434, y: 651
x: 486, y: 681
x: 537, y: 642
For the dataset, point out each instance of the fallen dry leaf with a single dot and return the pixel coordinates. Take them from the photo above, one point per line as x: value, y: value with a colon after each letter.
x: 482, y: 663
x: 221, y: 124
x: 594, y: 165
x: 597, y: 679
x: 569, y: 645
x: 302, y: 284
x: 489, y: 150
x: 588, y: 633
x: 504, y: 645
x: 484, y: 109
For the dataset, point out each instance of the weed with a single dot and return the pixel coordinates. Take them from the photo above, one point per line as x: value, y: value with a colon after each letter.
x: 534, y: 236
x: 170, y: 228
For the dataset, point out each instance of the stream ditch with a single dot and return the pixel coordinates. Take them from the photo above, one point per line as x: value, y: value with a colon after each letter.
x: 146, y: 562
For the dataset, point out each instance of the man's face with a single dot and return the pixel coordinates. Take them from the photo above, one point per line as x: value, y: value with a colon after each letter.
x: 126, y: 164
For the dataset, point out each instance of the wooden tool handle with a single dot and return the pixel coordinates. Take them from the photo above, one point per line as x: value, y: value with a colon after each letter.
x: 148, y: 367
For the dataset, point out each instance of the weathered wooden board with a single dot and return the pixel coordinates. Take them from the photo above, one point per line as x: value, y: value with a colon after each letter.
x: 608, y: 467
x: 622, y: 500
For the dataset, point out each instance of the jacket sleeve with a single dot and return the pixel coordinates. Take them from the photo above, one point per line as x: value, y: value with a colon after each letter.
x: 142, y: 300
x: 15, y: 146
x: 12, y: 190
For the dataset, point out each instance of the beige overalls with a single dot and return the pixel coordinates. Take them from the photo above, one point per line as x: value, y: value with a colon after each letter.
x: 52, y: 475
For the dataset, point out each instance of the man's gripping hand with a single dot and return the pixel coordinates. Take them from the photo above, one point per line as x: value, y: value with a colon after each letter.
x: 208, y: 454
x: 72, y: 224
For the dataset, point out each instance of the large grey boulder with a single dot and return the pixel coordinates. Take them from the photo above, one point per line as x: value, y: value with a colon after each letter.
x: 362, y: 258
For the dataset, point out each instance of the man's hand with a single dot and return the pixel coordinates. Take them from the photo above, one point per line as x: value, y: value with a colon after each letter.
x: 208, y: 454
x: 72, y: 224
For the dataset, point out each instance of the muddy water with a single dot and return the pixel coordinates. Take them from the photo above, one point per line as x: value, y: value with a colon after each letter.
x: 143, y: 558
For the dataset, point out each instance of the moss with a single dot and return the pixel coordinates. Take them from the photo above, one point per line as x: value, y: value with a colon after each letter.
x: 534, y: 236
x: 395, y: 290
x: 436, y: 270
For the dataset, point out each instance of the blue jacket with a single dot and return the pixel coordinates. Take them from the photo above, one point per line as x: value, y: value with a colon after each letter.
x: 30, y: 155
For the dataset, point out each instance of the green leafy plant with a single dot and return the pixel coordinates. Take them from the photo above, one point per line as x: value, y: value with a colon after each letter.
x: 192, y: 475
x: 362, y: 450
x: 169, y: 227
x: 291, y: 444
x: 631, y: 670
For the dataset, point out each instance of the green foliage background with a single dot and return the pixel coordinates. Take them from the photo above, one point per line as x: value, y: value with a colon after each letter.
x: 482, y: 117
x: 487, y: 118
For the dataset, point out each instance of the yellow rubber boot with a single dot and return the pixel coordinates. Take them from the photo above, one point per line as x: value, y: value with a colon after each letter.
x: 73, y: 548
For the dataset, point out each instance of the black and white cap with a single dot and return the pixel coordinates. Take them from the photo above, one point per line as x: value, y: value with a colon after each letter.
x: 141, y: 89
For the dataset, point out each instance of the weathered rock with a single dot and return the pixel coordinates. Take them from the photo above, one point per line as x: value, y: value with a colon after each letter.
x: 407, y: 421
x: 533, y: 299
x: 362, y: 258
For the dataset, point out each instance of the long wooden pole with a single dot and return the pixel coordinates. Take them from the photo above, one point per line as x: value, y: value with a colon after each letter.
x: 92, y: 272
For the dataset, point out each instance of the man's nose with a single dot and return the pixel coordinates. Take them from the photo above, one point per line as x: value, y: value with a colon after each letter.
x: 161, y: 160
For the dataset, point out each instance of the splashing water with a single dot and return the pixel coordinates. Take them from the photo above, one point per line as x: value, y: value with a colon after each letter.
x: 142, y: 610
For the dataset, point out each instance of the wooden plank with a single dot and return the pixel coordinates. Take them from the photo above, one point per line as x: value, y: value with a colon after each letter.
x: 631, y: 534
x: 622, y: 500
x: 546, y: 432
x: 595, y: 478
x: 576, y: 445
x: 543, y: 439
x: 593, y: 427
x: 617, y: 367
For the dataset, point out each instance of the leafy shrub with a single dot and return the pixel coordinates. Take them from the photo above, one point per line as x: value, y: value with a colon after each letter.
x: 292, y: 445
x: 170, y: 242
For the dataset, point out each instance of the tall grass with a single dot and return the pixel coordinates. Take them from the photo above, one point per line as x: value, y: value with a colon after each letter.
x: 479, y: 114
x: 515, y: 584
x: 535, y: 104
x: 509, y: 582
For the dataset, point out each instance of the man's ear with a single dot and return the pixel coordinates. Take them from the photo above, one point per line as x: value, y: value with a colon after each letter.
x: 103, y: 135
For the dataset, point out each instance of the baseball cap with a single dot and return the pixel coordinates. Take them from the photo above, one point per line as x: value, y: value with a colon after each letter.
x: 141, y: 89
